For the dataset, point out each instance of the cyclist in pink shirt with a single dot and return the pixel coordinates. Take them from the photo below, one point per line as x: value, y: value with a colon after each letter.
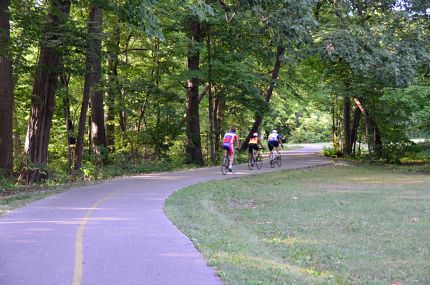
x: 230, y: 141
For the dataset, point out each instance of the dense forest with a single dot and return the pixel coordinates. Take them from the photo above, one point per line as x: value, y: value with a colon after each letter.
x: 92, y: 83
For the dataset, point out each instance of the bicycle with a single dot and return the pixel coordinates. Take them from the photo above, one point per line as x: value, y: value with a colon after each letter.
x: 275, y: 159
x: 226, y: 164
x: 254, y: 159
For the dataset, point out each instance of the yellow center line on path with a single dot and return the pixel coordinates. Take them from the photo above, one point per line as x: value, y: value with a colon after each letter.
x: 79, y: 255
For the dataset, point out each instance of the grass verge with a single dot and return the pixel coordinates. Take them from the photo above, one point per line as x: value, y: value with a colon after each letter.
x: 348, y: 224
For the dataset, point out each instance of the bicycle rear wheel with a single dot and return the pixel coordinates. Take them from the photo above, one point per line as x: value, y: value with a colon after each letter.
x: 259, y: 162
x: 272, y: 160
x: 279, y: 160
x: 251, y: 162
x: 225, y: 165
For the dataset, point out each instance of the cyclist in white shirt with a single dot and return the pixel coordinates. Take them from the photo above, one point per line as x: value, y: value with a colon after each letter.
x: 273, y: 141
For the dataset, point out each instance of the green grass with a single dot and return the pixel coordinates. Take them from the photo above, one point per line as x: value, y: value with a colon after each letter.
x: 341, y: 224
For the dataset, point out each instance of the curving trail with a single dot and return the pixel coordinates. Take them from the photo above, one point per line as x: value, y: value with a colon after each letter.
x: 113, y: 233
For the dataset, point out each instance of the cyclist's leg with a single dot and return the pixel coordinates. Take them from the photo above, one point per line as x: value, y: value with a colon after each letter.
x: 270, y: 146
x: 231, y: 156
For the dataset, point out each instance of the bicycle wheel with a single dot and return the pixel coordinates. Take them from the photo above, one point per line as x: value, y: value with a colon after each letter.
x: 251, y: 162
x: 279, y: 160
x: 225, y: 165
x: 259, y: 162
x: 272, y: 160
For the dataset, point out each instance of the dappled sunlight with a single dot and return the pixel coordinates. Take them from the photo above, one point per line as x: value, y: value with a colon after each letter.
x: 290, y: 241
x: 392, y: 181
x: 259, y: 263
x: 341, y: 187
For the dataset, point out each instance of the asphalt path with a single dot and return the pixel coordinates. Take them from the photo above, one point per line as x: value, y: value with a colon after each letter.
x: 114, y: 232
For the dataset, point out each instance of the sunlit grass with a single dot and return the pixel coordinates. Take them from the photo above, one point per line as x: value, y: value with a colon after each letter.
x: 333, y: 225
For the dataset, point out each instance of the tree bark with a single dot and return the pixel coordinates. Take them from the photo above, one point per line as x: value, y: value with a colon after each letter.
x: 377, y: 142
x: 98, y: 130
x: 112, y: 90
x: 193, y: 145
x: 335, y: 136
x: 267, y: 94
x: 211, y: 105
x: 92, y: 76
x: 6, y: 93
x: 373, y: 134
x: 220, y: 106
x: 354, y: 129
x: 347, y: 146
x: 65, y: 80
x: 43, y: 97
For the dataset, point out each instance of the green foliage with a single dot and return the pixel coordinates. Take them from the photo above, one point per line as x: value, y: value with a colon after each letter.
x: 394, y: 152
x: 6, y: 185
x: 332, y: 152
x: 406, y: 110
x: 141, y: 15
x: 379, y: 54
x: 416, y: 153
x: 314, y: 127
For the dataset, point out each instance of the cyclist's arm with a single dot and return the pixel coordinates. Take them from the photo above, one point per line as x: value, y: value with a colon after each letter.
x: 236, y: 143
x: 260, y: 143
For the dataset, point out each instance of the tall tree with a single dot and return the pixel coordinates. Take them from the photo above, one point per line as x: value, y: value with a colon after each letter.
x: 91, y: 87
x: 6, y: 96
x: 287, y: 23
x: 372, y: 46
x: 98, y: 130
x: 112, y: 91
x: 193, y: 146
x: 44, y: 91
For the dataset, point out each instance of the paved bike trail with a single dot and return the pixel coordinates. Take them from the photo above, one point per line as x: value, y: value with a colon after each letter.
x: 112, y: 233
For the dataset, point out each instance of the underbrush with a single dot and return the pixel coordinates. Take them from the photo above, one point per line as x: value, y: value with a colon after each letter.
x: 402, y: 153
x: 417, y: 153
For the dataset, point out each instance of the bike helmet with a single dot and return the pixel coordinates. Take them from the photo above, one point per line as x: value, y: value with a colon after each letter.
x: 274, y: 132
x: 233, y: 130
x: 255, y: 134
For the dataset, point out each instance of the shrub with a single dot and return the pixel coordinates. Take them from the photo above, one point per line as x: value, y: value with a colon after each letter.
x: 332, y: 152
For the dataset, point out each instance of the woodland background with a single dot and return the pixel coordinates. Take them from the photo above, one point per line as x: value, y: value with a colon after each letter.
x: 132, y: 86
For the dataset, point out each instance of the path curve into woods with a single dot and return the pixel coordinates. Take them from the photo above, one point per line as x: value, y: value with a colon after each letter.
x: 114, y: 232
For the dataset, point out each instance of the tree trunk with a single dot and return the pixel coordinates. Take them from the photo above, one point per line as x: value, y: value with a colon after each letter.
x: 92, y: 76
x: 193, y: 146
x: 211, y: 104
x: 65, y: 79
x: 347, y: 146
x: 267, y: 95
x: 377, y: 141
x: 354, y: 130
x: 335, y: 136
x: 112, y: 90
x: 98, y: 130
x: 6, y: 93
x: 43, y: 97
x: 373, y: 134
x: 219, y: 112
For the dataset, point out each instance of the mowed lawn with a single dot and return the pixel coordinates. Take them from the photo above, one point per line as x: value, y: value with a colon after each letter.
x: 341, y: 224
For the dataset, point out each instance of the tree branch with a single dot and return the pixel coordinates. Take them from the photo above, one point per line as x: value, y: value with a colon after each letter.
x: 226, y: 9
x: 134, y: 49
x: 203, y: 93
